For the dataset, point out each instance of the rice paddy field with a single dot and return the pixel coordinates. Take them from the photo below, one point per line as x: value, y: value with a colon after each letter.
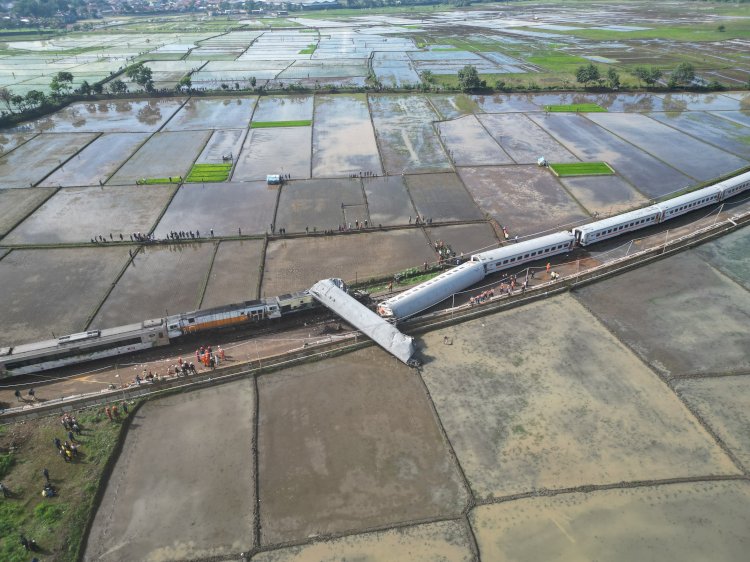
x: 604, y: 423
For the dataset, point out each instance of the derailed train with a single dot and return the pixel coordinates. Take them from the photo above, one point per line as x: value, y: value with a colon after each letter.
x: 434, y: 291
x: 97, y: 344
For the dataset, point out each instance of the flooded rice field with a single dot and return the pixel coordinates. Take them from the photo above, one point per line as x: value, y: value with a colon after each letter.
x: 158, y: 281
x: 341, y: 472
x: 447, y: 158
x: 350, y: 257
x: 235, y: 273
x: 78, y: 214
x: 525, y: 199
x: 227, y: 208
x: 47, y: 298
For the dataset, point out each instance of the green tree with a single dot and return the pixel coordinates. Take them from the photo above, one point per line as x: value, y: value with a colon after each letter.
x: 185, y: 82
x: 35, y: 98
x: 252, y: 81
x: 98, y: 88
x: 588, y: 73
x: 683, y: 74
x: 428, y: 77
x: 117, y: 87
x: 141, y: 75
x: 649, y: 75
x: 468, y: 79
x: 85, y: 88
x: 6, y: 96
x: 722, y: 28
x: 61, y: 83
x: 613, y: 79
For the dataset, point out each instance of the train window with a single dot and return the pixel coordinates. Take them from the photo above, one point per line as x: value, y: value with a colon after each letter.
x: 526, y: 256
x: 533, y: 253
x: 506, y: 261
x: 512, y: 260
x: 191, y: 320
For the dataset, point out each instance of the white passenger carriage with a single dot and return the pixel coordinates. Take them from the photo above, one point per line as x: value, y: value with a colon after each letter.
x: 615, y: 226
x: 84, y: 346
x: 429, y: 293
x: 525, y: 252
x: 733, y: 186
x: 689, y: 202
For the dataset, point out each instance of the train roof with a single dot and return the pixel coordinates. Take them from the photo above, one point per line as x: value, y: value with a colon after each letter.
x: 521, y: 247
x: 689, y: 197
x: 81, y: 339
x: 618, y: 219
x: 731, y: 182
x: 218, y: 309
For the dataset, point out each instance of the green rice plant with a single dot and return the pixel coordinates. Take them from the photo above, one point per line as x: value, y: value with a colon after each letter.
x: 582, y: 169
x: 271, y: 124
x: 576, y: 108
x: 209, y: 173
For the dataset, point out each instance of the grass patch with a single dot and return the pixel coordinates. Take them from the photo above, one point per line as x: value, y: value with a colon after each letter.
x: 575, y: 108
x: 309, y: 50
x: 273, y: 124
x: 209, y: 173
x: 6, y: 462
x: 57, y: 524
x: 557, y: 62
x: 582, y: 169
x: 157, y: 181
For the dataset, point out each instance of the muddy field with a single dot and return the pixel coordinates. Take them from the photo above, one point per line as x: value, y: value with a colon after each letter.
x: 524, y: 140
x: 343, y: 137
x: 652, y: 301
x: 469, y: 144
x: 204, y: 510
x: 722, y: 403
x: 31, y: 162
x: 730, y: 254
x: 159, y: 281
x: 96, y: 163
x: 78, y: 214
x: 235, y: 273
x: 442, y: 197
x: 282, y: 150
x: 227, y: 208
x: 703, y: 521
x: 351, y: 257
x: 525, y: 199
x: 206, y: 113
x: 323, y: 470
x: 524, y: 413
x: 447, y: 541
x: 163, y: 155
x: 464, y: 239
x: 318, y: 205
x: 47, y: 298
x: 15, y: 204
x: 604, y: 195
x: 591, y: 143
x: 388, y: 201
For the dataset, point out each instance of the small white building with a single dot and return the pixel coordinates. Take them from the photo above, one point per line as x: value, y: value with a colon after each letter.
x: 273, y: 179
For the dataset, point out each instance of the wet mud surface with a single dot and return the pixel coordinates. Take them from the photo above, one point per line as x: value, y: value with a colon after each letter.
x: 47, y: 298
x: 442, y: 197
x: 223, y: 207
x: 78, y: 214
x: 320, y: 205
x: 170, y: 508
x: 524, y: 140
x: 701, y: 521
x: 163, y: 155
x: 95, y: 163
x: 31, y: 162
x: 525, y: 199
x: 207, y: 113
x: 523, y: 412
x: 388, y: 201
x: 654, y: 312
x: 160, y: 281
x: 283, y: 150
x: 446, y: 541
x: 469, y: 144
x: 465, y: 238
x: 343, y: 137
x: 591, y: 143
x: 351, y: 257
x: 605, y: 195
x: 15, y: 204
x: 234, y: 274
x: 366, y: 455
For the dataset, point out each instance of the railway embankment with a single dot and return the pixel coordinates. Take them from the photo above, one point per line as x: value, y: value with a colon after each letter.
x: 328, y: 346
